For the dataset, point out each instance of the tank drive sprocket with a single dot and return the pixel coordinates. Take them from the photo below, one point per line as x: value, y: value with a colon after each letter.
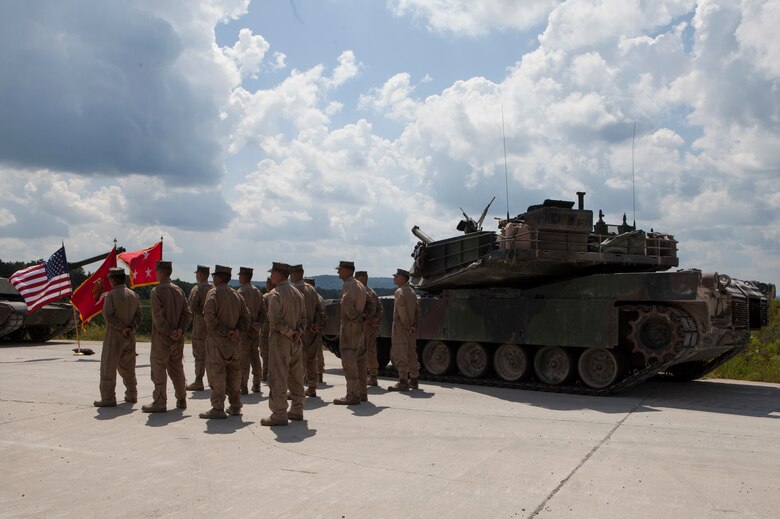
x: 659, y: 332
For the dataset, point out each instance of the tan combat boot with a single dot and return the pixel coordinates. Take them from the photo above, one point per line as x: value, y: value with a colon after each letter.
x: 244, y: 390
x: 372, y: 381
x: 181, y: 403
x: 271, y: 422
x: 413, y: 383
x: 196, y: 386
x: 234, y: 411
x: 256, y: 387
x: 213, y: 413
x: 154, y: 408
x: 347, y: 400
x: 295, y: 416
x: 104, y: 403
x: 311, y: 391
x: 401, y: 385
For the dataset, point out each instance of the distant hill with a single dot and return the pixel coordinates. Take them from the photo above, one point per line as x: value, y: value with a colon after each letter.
x: 332, y: 282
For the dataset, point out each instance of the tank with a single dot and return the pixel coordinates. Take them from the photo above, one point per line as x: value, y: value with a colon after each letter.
x: 45, y: 323
x: 553, y: 301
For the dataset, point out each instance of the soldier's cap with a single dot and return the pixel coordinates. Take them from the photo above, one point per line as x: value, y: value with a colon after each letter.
x: 282, y: 268
x: 361, y: 273
x: 402, y: 272
x: 346, y: 265
x: 310, y: 281
x: 203, y: 270
x: 221, y: 269
x: 296, y: 269
x: 161, y: 264
x: 116, y: 272
x: 245, y: 270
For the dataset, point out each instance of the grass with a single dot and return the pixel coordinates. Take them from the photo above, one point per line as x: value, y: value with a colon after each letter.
x: 759, y: 362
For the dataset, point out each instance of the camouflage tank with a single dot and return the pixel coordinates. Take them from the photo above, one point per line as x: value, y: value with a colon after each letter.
x: 555, y: 302
x: 45, y: 323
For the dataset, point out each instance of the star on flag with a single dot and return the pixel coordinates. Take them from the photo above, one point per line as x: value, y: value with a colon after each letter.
x: 142, y: 264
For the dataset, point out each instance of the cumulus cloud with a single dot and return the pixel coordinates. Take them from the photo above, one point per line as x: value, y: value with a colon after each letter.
x: 108, y: 89
x: 248, y: 52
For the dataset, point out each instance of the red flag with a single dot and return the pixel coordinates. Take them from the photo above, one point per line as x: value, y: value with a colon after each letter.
x: 44, y: 283
x: 142, y: 264
x: 88, y: 297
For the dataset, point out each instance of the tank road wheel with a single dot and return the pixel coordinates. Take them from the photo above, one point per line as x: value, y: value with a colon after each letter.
x: 599, y: 367
x: 473, y: 359
x: 437, y: 358
x: 656, y: 333
x: 511, y: 362
x: 553, y: 365
x: 39, y: 333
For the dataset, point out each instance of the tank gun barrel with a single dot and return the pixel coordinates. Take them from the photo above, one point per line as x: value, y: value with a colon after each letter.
x: 77, y: 264
x: 421, y: 235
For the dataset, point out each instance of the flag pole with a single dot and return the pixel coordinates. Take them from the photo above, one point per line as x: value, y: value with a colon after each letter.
x: 78, y: 341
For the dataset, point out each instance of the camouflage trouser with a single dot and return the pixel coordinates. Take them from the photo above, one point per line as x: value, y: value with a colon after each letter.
x: 250, y: 357
x: 352, y: 344
x: 285, y: 372
x: 371, y: 359
x: 166, y: 360
x: 118, y: 354
x: 224, y: 372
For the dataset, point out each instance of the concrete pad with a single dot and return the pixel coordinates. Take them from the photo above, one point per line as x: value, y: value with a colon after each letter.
x: 702, y: 449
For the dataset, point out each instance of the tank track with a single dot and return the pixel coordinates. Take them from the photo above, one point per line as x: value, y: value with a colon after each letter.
x: 684, y: 342
x: 11, y: 324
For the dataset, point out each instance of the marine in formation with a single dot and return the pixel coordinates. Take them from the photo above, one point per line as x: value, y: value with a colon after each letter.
x: 352, y: 342
x: 199, y: 331
x: 315, y: 318
x: 250, y: 339
x: 170, y: 317
x: 122, y: 315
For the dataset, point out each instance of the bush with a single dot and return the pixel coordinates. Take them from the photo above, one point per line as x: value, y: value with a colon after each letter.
x: 760, y: 361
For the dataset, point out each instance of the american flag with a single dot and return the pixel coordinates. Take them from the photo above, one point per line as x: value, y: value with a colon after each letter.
x: 44, y: 283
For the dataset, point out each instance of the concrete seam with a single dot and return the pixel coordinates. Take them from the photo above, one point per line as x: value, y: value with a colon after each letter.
x: 591, y: 453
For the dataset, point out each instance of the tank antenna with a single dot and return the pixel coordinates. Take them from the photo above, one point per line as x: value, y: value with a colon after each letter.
x: 633, y: 178
x: 506, y: 170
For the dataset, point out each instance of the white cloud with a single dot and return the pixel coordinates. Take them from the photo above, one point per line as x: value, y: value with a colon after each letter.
x: 347, y: 69
x: 248, y: 52
x: 393, y: 98
x: 280, y: 61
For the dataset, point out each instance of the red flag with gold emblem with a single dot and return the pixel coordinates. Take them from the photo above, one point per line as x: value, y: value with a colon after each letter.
x: 88, y: 297
x: 142, y: 264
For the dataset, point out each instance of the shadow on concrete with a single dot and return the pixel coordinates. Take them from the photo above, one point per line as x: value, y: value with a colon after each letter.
x: 334, y: 371
x: 227, y: 425
x: 199, y: 395
x: 366, y: 409
x: 315, y: 402
x: 109, y: 413
x: 708, y: 395
x: 253, y: 398
x: 296, y: 432
x: 47, y: 359
x: 418, y: 393
x: 162, y: 419
x: 82, y: 359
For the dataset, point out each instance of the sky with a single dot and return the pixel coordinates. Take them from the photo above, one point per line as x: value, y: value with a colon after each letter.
x: 313, y: 131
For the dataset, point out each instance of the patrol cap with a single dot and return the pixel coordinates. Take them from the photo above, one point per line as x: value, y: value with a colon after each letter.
x: 202, y: 270
x: 282, y: 268
x: 161, y: 264
x: 116, y: 272
x: 221, y: 269
x: 346, y: 265
x: 296, y: 269
x: 245, y: 271
x: 310, y: 281
x: 361, y: 273
x: 402, y: 272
